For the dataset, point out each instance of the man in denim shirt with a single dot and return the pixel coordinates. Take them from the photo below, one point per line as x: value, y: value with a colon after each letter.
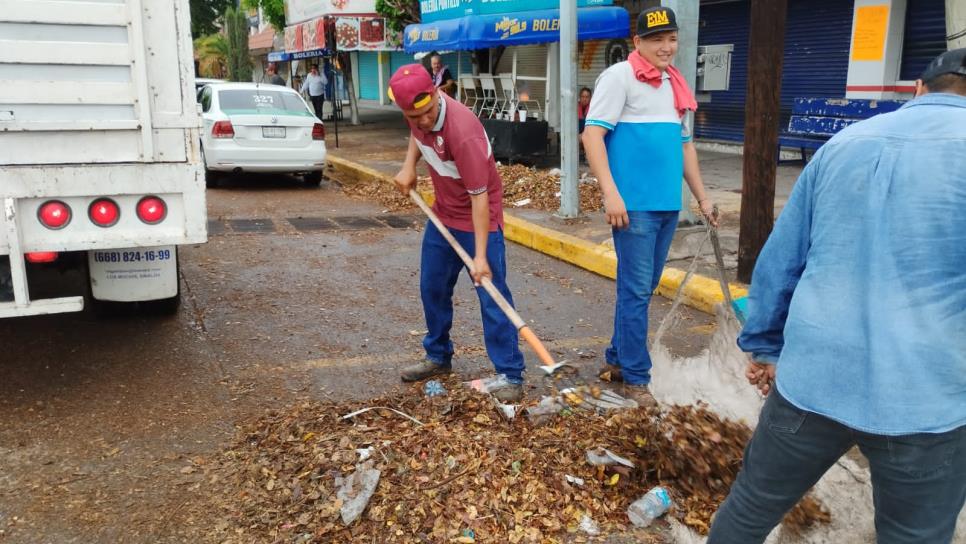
x: 858, y: 300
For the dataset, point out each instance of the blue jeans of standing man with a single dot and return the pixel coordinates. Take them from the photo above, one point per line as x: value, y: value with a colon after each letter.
x: 641, y: 248
x: 439, y: 270
x: 918, y: 480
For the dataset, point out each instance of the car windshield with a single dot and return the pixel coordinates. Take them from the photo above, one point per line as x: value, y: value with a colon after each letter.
x: 269, y: 102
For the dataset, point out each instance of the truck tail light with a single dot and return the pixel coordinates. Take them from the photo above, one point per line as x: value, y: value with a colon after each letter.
x: 152, y: 210
x: 54, y: 214
x: 41, y: 257
x: 104, y: 212
x: 222, y: 129
x: 318, y: 131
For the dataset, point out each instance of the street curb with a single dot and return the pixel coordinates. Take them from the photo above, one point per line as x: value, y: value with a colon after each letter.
x: 701, y: 293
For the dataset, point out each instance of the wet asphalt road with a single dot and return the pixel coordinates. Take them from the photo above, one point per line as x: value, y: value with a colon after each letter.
x: 300, y: 293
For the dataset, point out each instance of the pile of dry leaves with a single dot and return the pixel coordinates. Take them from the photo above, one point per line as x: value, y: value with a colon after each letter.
x: 466, y: 475
x: 540, y: 189
x: 523, y: 187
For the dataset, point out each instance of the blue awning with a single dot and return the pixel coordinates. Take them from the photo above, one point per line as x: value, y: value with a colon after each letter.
x: 527, y: 27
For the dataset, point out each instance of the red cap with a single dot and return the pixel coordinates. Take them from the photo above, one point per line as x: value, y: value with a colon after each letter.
x: 409, y: 82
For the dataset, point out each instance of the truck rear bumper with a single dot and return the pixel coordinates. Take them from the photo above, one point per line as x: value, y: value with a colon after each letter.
x: 16, y: 276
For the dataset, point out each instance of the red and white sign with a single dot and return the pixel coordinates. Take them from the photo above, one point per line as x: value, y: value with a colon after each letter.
x: 299, y: 11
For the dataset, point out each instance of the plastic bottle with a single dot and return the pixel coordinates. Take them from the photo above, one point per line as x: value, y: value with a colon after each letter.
x: 651, y: 506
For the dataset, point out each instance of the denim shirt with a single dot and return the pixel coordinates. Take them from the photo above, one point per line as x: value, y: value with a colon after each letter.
x: 859, y: 294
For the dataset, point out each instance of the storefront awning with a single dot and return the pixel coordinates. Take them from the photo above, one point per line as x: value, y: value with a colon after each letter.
x: 527, y: 27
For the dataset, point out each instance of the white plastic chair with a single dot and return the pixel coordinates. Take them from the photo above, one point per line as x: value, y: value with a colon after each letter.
x: 509, y: 96
x: 492, y: 104
x: 471, y: 98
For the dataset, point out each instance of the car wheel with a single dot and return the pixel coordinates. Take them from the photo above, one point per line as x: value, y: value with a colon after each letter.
x: 313, y: 179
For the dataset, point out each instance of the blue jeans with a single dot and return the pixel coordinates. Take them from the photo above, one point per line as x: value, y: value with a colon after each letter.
x: 641, y: 248
x: 439, y: 270
x: 918, y: 480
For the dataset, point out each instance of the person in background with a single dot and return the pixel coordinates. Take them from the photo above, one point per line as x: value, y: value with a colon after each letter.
x: 442, y: 77
x: 583, y: 106
x: 273, y: 77
x: 315, y: 85
x: 857, y: 324
x: 639, y: 146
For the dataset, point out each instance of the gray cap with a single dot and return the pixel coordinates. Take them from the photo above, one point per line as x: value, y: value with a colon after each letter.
x: 950, y: 62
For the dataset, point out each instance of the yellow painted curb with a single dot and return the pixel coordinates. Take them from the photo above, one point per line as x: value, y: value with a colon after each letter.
x: 701, y: 292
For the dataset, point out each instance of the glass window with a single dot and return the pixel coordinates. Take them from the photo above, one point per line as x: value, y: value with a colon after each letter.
x: 261, y: 101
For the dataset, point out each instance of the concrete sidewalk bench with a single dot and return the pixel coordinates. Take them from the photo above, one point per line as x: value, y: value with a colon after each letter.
x: 815, y: 120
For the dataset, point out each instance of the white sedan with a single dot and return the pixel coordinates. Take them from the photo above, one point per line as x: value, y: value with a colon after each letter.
x: 251, y: 127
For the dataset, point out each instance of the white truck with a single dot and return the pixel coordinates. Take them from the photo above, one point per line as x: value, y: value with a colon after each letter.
x: 99, y: 160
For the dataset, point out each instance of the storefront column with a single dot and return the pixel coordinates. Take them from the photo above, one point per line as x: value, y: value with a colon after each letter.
x: 383, y: 66
x: 876, y: 50
x: 955, y: 24
x: 552, y: 106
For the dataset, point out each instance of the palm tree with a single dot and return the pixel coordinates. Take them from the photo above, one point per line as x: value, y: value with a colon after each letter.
x: 212, y: 54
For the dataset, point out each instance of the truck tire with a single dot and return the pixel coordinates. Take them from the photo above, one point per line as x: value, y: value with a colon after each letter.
x: 313, y: 179
x: 211, y: 177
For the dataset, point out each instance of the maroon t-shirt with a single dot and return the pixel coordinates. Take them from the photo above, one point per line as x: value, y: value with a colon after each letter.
x: 461, y: 164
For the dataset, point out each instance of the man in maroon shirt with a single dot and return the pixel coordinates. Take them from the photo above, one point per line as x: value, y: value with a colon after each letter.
x: 469, y: 196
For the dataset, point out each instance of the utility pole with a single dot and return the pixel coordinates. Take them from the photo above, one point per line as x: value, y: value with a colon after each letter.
x: 766, y: 46
x: 686, y: 61
x: 569, y: 194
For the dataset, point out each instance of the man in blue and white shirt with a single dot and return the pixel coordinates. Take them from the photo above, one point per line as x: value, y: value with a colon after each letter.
x: 315, y: 83
x: 639, y: 146
x: 858, y: 299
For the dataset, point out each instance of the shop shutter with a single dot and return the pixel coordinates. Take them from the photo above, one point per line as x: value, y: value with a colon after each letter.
x: 924, y: 37
x: 531, y: 62
x: 816, y: 61
x: 368, y: 75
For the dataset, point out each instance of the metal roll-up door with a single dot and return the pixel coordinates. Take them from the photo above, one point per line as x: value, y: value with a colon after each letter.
x: 531, y: 62
x: 595, y: 56
x: 453, y: 61
x: 816, y: 60
x: 398, y: 59
x: 924, y: 37
x: 368, y: 75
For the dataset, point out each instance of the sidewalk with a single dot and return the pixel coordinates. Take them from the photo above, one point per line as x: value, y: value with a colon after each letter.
x: 380, y: 144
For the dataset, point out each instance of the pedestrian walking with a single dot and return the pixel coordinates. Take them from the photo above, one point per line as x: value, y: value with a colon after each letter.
x: 273, y: 77
x: 315, y: 84
x: 639, y: 146
x: 858, y: 301
x: 469, y: 196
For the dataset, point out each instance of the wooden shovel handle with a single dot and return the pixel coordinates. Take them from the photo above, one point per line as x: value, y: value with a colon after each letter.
x: 487, y: 284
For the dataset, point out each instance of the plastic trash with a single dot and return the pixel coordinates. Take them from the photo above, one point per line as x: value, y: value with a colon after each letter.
x: 545, y: 411
x: 487, y: 385
x: 434, y: 388
x: 651, y: 506
x: 574, y: 480
x: 355, y: 490
x: 605, y: 457
x: 589, y: 526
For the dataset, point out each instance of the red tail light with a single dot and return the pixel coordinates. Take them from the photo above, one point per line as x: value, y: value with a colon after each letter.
x: 104, y: 212
x: 41, y: 256
x: 222, y: 129
x: 152, y: 210
x: 318, y: 131
x: 54, y: 214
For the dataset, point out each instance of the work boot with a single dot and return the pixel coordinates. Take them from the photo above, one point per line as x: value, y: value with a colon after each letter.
x: 510, y: 393
x: 424, y: 369
x: 640, y: 394
x: 610, y: 373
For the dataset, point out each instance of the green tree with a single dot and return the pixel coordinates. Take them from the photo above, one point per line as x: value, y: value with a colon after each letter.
x: 274, y: 11
x: 239, y: 60
x: 212, y: 52
x: 398, y: 13
x: 205, y: 14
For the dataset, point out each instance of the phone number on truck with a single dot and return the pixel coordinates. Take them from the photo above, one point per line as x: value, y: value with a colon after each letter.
x: 132, y: 256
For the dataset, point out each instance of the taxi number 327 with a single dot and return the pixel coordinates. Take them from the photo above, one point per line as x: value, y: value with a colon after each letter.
x: 132, y: 256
